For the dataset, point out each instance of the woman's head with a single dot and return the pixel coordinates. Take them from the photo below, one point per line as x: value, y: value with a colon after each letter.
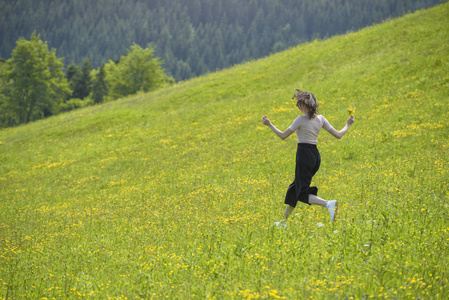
x: 307, y: 101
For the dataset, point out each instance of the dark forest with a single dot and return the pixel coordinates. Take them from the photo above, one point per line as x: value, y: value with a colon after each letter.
x: 192, y: 37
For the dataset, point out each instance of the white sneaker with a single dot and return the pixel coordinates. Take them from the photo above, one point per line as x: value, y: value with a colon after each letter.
x: 332, y: 207
x: 281, y: 223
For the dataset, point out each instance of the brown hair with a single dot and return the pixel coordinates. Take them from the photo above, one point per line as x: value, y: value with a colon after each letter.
x: 309, y: 100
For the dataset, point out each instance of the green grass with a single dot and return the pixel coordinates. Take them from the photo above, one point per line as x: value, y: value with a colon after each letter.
x: 174, y: 193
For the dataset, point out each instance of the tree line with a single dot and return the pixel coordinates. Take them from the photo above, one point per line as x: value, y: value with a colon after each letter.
x: 192, y: 37
x: 33, y: 84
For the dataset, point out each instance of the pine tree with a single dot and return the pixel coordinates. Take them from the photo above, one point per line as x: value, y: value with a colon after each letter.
x: 72, y: 74
x: 99, y: 88
x: 82, y: 82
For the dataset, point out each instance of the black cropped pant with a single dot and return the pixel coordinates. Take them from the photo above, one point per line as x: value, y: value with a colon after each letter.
x: 308, y: 162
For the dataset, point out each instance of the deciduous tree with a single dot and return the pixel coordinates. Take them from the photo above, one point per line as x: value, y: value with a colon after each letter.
x: 33, y: 82
x: 137, y: 71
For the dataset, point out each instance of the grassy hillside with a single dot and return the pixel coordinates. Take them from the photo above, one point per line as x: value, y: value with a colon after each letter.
x: 174, y: 193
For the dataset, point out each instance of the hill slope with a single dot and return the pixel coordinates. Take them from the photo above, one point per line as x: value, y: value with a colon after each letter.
x: 174, y: 193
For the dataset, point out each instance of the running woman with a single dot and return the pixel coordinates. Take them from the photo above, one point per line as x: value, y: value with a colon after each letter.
x: 307, y: 128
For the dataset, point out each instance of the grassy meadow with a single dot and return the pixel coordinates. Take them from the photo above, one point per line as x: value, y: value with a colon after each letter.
x: 174, y: 194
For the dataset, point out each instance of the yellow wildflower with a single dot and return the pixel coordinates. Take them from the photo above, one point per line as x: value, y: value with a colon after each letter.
x: 351, y: 110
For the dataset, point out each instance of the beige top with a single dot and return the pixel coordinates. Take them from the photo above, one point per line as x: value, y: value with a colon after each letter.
x: 307, y: 130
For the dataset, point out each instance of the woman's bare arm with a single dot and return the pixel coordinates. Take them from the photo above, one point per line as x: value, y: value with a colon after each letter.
x: 282, y: 134
x: 341, y: 133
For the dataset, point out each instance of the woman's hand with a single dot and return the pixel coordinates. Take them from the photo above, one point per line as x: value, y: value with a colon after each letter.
x: 265, y: 120
x: 350, y: 120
